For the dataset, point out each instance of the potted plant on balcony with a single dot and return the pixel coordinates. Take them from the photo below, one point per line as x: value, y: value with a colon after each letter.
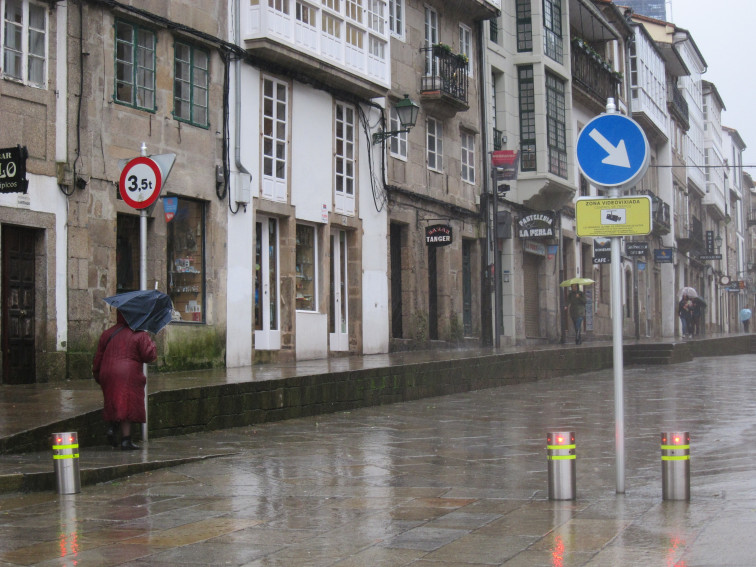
x: 441, y: 50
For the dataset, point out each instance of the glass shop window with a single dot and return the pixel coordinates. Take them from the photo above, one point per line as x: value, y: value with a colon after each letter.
x: 127, y: 253
x: 186, y: 257
x: 306, y: 268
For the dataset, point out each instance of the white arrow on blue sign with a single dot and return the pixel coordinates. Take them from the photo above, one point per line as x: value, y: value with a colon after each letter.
x: 612, y: 151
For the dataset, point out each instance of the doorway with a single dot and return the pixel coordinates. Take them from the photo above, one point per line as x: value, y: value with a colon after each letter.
x: 396, y: 281
x: 467, y: 286
x: 432, y: 295
x: 18, y: 305
x: 338, y: 312
x: 267, y: 287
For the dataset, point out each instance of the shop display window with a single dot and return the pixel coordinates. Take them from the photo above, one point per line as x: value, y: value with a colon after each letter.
x: 186, y: 260
x: 306, y: 268
x: 127, y: 253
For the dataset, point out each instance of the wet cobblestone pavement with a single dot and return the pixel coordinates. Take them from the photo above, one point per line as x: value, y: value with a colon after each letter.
x: 450, y: 481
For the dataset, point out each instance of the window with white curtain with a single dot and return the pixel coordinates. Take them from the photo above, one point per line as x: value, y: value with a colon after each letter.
x: 24, y: 42
x: 435, y: 145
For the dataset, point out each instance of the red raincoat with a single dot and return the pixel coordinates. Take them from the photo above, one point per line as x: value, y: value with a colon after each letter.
x: 117, y: 368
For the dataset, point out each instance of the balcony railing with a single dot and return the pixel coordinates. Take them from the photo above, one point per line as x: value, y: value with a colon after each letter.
x: 592, y: 73
x: 752, y: 217
x: 661, y: 214
x: 445, y: 75
x: 691, y: 236
x: 361, y: 48
x: 678, y: 105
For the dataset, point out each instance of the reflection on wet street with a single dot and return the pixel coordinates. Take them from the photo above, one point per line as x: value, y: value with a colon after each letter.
x: 453, y: 481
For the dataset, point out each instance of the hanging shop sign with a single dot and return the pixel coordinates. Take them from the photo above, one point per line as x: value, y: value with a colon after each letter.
x: 636, y: 248
x: 533, y: 247
x: 13, y: 170
x: 710, y: 242
x: 504, y: 166
x: 536, y: 225
x: 602, y: 251
x: 438, y: 235
x: 663, y: 255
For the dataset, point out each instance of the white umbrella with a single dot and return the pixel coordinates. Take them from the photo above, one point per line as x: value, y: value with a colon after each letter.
x: 689, y: 291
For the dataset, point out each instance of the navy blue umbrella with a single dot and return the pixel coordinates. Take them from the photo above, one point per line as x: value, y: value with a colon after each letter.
x: 144, y: 310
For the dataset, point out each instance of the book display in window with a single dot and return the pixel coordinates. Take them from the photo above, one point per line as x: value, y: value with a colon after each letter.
x: 185, y: 260
x: 305, y: 268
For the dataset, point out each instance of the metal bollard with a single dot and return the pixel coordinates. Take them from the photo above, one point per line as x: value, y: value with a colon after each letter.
x: 675, y: 458
x: 560, y: 452
x: 66, y: 460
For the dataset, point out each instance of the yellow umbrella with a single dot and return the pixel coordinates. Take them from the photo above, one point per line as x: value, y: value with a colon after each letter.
x: 578, y: 281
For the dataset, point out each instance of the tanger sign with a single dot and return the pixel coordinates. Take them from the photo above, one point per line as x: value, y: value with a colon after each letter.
x: 438, y: 235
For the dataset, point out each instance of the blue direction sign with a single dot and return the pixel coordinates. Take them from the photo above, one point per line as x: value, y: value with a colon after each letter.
x: 612, y: 150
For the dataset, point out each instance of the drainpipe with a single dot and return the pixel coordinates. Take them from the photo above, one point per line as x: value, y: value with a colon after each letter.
x: 237, y: 103
x: 491, y: 240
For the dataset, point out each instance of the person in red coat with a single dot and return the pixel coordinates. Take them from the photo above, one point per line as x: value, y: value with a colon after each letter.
x: 117, y: 368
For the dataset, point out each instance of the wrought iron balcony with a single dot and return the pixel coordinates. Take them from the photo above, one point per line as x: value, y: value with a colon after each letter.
x: 691, y: 237
x: 678, y: 106
x: 660, y: 213
x: 591, y: 73
x: 752, y: 217
x: 444, y: 84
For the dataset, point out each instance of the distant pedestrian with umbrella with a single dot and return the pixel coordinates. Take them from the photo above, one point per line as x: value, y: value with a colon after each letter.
x: 745, y: 318
x: 121, y: 352
x: 576, y: 304
x: 685, y: 311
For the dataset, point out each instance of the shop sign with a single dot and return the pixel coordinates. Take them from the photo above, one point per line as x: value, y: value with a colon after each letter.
x: 438, y: 235
x: 636, y: 248
x: 13, y: 170
x: 710, y: 242
x: 602, y: 250
x: 533, y: 247
x: 663, y: 255
x: 537, y: 225
x: 504, y: 164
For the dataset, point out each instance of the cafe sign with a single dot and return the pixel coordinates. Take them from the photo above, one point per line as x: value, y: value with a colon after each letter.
x: 536, y: 225
x: 13, y: 170
x: 438, y: 235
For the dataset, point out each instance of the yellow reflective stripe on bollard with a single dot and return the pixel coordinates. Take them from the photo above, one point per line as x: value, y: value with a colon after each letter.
x: 560, y: 457
x: 72, y: 456
x: 58, y: 447
x: 559, y: 447
x: 675, y: 457
x: 674, y: 447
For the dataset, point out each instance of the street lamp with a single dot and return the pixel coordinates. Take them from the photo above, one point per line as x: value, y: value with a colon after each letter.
x: 718, y: 241
x: 407, y: 111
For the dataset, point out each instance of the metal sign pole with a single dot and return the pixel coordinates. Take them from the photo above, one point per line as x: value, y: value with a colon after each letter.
x: 497, y: 261
x: 613, y: 152
x: 143, y: 284
x: 619, y: 403
x: 619, y: 397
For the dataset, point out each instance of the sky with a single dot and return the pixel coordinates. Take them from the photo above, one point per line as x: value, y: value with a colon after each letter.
x: 724, y: 33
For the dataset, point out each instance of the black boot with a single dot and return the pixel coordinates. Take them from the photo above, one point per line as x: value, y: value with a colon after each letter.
x: 127, y: 445
x: 112, y: 435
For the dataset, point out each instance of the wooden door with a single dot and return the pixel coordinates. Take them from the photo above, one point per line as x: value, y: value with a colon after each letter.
x: 18, y: 305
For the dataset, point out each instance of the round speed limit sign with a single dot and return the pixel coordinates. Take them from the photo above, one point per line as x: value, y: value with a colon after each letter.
x: 140, y: 182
